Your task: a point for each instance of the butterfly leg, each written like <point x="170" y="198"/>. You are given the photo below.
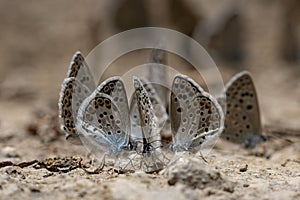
<point x="129" y="166"/>
<point x="201" y="155"/>
<point x="98" y="169"/>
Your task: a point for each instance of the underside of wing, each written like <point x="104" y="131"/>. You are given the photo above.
<point x="242" y="123"/>
<point x="76" y="87"/>
<point x="71" y="96"/>
<point x="195" y="115"/>
<point x="158" y="107"/>
<point x="148" y="120"/>
<point x="114" y="87"/>
<point x="80" y="70"/>
<point x="99" y="118"/>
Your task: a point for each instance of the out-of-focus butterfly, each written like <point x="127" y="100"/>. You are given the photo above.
<point x="242" y="117"/>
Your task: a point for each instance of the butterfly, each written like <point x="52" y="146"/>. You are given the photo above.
<point x="103" y="120"/>
<point x="156" y="92"/>
<point x="242" y="121"/>
<point x="157" y="74"/>
<point x="77" y="86"/>
<point x="196" y="117"/>
<point x="157" y="106"/>
<point x="153" y="159"/>
<point x="104" y="124"/>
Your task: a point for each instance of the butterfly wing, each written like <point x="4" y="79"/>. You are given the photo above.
<point x="156" y="93"/>
<point x="101" y="121"/>
<point x="196" y="117"/>
<point x="136" y="128"/>
<point x="242" y="122"/>
<point x="71" y="96"/>
<point x="75" y="88"/>
<point x="158" y="109"/>
<point x="81" y="71"/>
<point x="152" y="157"/>
<point x="158" y="106"/>
<point x="157" y="74"/>
<point x="148" y="120"/>
<point x="114" y="87"/>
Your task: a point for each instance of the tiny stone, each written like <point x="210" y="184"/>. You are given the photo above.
<point x="9" y="152"/>
<point x="244" y="169"/>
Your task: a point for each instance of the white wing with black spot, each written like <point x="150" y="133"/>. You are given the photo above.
<point x="148" y="120"/>
<point x="196" y="117"/>
<point x="152" y="157"/>
<point x="80" y="70"/>
<point x="101" y="120"/>
<point x="76" y="87"/>
<point x="158" y="109"/>
<point x="114" y="87"/>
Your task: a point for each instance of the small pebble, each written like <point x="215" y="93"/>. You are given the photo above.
<point x="9" y="152"/>
<point x="244" y="169"/>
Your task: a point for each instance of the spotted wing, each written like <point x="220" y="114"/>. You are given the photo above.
<point x="76" y="87"/>
<point x="71" y="96"/>
<point x="100" y="119"/>
<point x="81" y="71"/>
<point x="153" y="159"/>
<point x="196" y="117"/>
<point x="158" y="106"/>
<point x="158" y="109"/>
<point x="242" y="122"/>
<point x="148" y="120"/>
<point x="157" y="74"/>
<point x="114" y="87"/>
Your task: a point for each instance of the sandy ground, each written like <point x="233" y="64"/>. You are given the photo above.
<point x="37" y="43"/>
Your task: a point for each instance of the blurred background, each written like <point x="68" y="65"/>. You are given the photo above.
<point x="38" y="40"/>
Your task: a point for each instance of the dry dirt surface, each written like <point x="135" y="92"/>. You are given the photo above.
<point x="58" y="170"/>
<point x="36" y="162"/>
